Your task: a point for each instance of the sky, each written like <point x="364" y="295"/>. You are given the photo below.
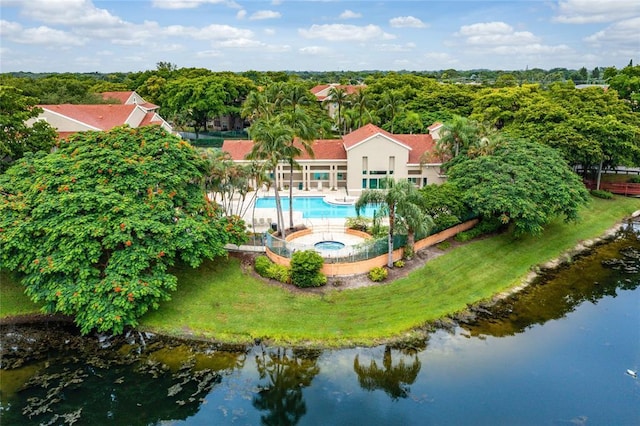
<point x="322" y="35"/>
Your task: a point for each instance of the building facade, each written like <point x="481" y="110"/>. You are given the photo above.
<point x="357" y="161"/>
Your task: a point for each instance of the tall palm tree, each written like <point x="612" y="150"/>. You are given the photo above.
<point x="411" y="215"/>
<point x="293" y="103"/>
<point x="391" y="105"/>
<point x="270" y="139"/>
<point x="360" y="101"/>
<point x="398" y="197"/>
<point x="338" y="96"/>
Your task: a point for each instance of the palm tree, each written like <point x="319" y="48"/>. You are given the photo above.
<point x="391" y="104"/>
<point x="457" y="136"/>
<point x="398" y="197"/>
<point x="271" y="137"/>
<point x="360" y="101"/>
<point x="292" y="103"/>
<point x="411" y="215"/>
<point x="338" y="96"/>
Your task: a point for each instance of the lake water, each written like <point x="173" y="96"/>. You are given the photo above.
<point x="556" y="354"/>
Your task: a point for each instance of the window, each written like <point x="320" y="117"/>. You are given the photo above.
<point x="364" y="184"/>
<point x="320" y="176"/>
<point x="392" y="164"/>
<point x="365" y="165"/>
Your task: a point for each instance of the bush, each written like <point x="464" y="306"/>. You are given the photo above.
<point x="445" y="221"/>
<point x="305" y="269"/>
<point x="280" y="273"/>
<point x="634" y="179"/>
<point x="599" y="193"/>
<point x="358" y="223"/>
<point x="486" y="226"/>
<point x="262" y="265"/>
<point x="267" y="269"/>
<point x="379" y="273"/>
<point x="398" y="264"/>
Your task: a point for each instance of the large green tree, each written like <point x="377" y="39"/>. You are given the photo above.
<point x="16" y="136"/>
<point x="94" y="227"/>
<point x="523" y="183"/>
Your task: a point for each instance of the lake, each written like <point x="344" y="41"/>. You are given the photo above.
<point x="554" y="354"/>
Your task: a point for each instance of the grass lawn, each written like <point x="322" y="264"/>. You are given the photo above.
<point x="220" y="301"/>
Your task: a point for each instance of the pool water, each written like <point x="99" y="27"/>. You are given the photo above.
<point x="329" y="245"/>
<point x="316" y="207"/>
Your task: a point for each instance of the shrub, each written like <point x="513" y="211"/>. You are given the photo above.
<point x="634" y="179"/>
<point x="305" y="269"/>
<point x="399" y="263"/>
<point x="444" y="221"/>
<point x="379" y="273"/>
<point x="599" y="193"/>
<point x="486" y="226"/>
<point x="358" y="223"/>
<point x="444" y="245"/>
<point x="267" y="269"/>
<point x="408" y="253"/>
<point x="262" y="265"/>
<point x="280" y="273"/>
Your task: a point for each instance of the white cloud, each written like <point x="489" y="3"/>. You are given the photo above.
<point x="590" y="11"/>
<point x="269" y="31"/>
<point x="623" y="34"/>
<point x="240" y="43"/>
<point x="349" y="14"/>
<point x="396" y="47"/>
<point x="208" y="54"/>
<point x="440" y="58"/>
<point x="314" y="50"/>
<point x="69" y="12"/>
<point x="407" y="22"/>
<point x="38" y="35"/>
<point x="184" y="4"/>
<point x="495" y="33"/>
<point x="211" y="32"/>
<point x="241" y="14"/>
<point x="339" y="32"/>
<point x="265" y="14"/>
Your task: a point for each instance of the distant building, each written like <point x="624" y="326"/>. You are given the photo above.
<point x="359" y="160"/>
<point x="131" y="109"/>
<point x="322" y="93"/>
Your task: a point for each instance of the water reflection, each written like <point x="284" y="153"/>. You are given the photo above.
<point x="575" y="366"/>
<point x="391" y="377"/>
<point x="73" y="379"/>
<point x="601" y="273"/>
<point x="286" y="372"/>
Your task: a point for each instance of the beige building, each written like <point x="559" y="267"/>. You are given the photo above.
<point x="357" y="161"/>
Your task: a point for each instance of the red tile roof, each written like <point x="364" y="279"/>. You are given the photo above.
<point x="348" y="88"/>
<point x="323" y="149"/>
<point x="363" y="133"/>
<point x="419" y="144"/>
<point x="102" y="117"/>
<point x="121" y="97"/>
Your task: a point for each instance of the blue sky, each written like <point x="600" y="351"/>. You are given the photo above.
<point x="326" y="35"/>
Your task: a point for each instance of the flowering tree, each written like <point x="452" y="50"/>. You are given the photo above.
<point x="94" y="227"/>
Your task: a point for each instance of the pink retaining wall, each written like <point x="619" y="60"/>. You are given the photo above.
<point x="362" y="267"/>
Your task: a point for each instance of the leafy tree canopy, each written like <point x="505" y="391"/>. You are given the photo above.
<point x="521" y="182"/>
<point x="94" y="227"/>
<point x="16" y="136"/>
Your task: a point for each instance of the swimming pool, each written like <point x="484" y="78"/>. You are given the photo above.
<point x="315" y="207"/>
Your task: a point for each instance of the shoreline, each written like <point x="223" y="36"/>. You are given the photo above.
<point x="416" y="333"/>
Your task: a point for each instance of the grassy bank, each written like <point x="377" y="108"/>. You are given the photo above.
<point x="222" y="302"/>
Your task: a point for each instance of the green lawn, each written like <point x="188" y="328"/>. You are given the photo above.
<point x="219" y="301"/>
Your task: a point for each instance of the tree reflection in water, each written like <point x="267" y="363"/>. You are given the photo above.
<point x="287" y="373"/>
<point x="55" y="376"/>
<point x="393" y="379"/>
